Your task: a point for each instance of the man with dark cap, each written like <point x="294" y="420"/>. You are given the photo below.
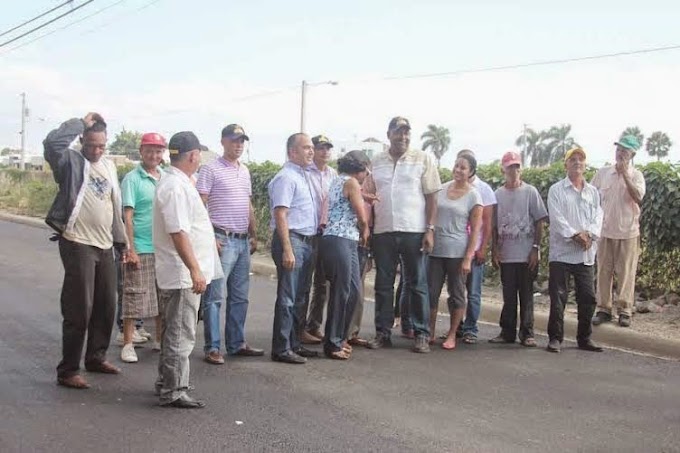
<point x="186" y="261"/>
<point x="321" y="175"/>
<point x="406" y="182"/>
<point x="225" y="188"/>
<point x="621" y="188"/>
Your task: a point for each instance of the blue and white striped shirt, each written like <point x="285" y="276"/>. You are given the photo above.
<point x="572" y="211"/>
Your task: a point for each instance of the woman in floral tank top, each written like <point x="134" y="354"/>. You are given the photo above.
<point x="347" y="228"/>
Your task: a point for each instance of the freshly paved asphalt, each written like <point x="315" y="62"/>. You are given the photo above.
<point x="478" y="398"/>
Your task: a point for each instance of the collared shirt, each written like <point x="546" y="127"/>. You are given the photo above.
<point x="488" y="199"/>
<point x="291" y="188"/>
<point x="229" y="189"/>
<point x="139" y="189"/>
<point x="621" y="212"/>
<point x="572" y="211"/>
<point x="178" y="207"/>
<point x="401" y="187"/>
<point x="321" y="182"/>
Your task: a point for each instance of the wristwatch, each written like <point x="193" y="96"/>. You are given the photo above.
<point x="536" y="246"/>
<point x="430" y="227"/>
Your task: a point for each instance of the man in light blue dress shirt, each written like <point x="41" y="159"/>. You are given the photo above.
<point x="575" y="225"/>
<point x="295" y="220"/>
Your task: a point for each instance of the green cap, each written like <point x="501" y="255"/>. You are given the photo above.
<point x="629" y="142"/>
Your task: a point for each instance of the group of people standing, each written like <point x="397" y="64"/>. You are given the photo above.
<point x="185" y="235"/>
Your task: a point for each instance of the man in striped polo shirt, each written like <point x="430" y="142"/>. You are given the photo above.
<point x="225" y="187"/>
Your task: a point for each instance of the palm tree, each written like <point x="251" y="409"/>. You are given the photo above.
<point x="437" y="139"/>
<point x="558" y="143"/>
<point x="531" y="143"/>
<point x="658" y="144"/>
<point x="634" y="131"/>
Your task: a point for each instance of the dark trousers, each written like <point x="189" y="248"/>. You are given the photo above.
<point x="388" y="249"/>
<point x="88" y="304"/>
<point x="585" y="299"/>
<point x="517" y="280"/>
<point x="341" y="262"/>
<point x="319" y="290"/>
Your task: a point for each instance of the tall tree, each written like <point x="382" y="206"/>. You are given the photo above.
<point x="559" y="141"/>
<point x="437" y="139"/>
<point x="126" y="143"/>
<point x="531" y="143"/>
<point x="634" y="131"/>
<point x="658" y="144"/>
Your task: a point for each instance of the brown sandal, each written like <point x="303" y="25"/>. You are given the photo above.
<point x="338" y="355"/>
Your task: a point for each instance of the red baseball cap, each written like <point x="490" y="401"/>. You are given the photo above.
<point x="152" y="138"/>
<point x="511" y="158"/>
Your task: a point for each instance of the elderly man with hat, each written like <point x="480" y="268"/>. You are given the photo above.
<point x="225" y="187"/>
<point x="575" y="225"/>
<point x="621" y="188"/>
<point x="518" y="229"/>
<point x="186" y="261"/>
<point x="139" y="298"/>
<point x="321" y="175"/>
<point x="406" y="182"/>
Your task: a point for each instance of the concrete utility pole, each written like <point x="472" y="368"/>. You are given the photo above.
<point x="303" y="99"/>
<point x="23" y="131"/>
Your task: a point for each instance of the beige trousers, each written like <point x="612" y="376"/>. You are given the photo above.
<point x="617" y="257"/>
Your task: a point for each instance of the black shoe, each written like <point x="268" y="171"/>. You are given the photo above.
<point x="422" y="344"/>
<point x="590" y="346"/>
<point x="554" y="346"/>
<point x="289" y="357"/>
<point x="380" y="341"/>
<point x="500" y="339"/>
<point x="624" y="320"/>
<point x="247" y="351"/>
<point x="186" y="402"/>
<point x="601" y="317"/>
<point x="308" y="353"/>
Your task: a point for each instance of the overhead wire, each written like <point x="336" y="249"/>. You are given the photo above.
<point x="35" y="18"/>
<point x="45" y="24"/>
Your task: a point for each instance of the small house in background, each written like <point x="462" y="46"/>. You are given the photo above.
<point x="371" y="146"/>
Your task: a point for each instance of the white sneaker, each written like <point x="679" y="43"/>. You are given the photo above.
<point x="128" y="354"/>
<point x="137" y="338"/>
<point x="142" y="332"/>
<point x="156" y="346"/>
<point x="119" y="339"/>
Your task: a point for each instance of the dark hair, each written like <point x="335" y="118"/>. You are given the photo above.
<point x="465" y="151"/>
<point x="97" y="126"/>
<point x="353" y="162"/>
<point x="471" y="161"/>
<point x="290" y="143"/>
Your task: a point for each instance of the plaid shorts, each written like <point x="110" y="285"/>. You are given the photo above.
<point x="140" y="296"/>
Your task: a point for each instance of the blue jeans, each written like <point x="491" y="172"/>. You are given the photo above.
<point x="474" y="299"/>
<point x="290" y="292"/>
<point x="341" y="262"/>
<point x="235" y="259"/>
<point x="388" y="249"/>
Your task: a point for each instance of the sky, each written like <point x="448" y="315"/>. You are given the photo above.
<point x="171" y="65"/>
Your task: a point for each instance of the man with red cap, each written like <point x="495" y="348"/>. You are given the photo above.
<point x="139" y="300"/>
<point x="520" y="214"/>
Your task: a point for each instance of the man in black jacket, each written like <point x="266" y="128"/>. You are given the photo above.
<point x="86" y="214"/>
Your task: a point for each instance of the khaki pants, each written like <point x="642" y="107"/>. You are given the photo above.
<point x="617" y="257"/>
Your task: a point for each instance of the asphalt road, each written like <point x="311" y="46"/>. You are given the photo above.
<point x="482" y="398"/>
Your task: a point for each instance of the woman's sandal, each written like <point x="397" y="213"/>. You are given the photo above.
<point x="338" y="355"/>
<point x="469" y="339"/>
<point x="529" y="342"/>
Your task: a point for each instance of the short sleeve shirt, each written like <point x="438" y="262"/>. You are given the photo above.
<point x="488" y="199"/>
<point x="517" y="212"/>
<point x="621" y="213"/>
<point x="401" y="186"/>
<point x="138" y="191"/>
<point x="291" y="188"/>
<point x="450" y="230"/>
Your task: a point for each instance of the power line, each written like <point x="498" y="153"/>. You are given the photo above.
<point x="36" y="18"/>
<point x="70" y="24"/>
<point x="535" y="63"/>
<point x="45" y="24"/>
<point x="121" y="16"/>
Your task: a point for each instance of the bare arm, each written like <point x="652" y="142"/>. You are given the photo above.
<point x="475" y="220"/>
<point x="128" y="214"/>
<point x="632" y="190"/>
<point x="186" y="253"/>
<point x="252" y="229"/>
<point x="486" y="230"/>
<point x="281" y="222"/>
<point x="430" y="218"/>
<point x="352" y="190"/>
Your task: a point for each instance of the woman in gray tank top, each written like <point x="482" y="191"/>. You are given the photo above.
<point x="459" y="217"/>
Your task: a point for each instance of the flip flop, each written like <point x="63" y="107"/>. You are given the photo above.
<point x="338" y="355"/>
<point x="469" y="339"/>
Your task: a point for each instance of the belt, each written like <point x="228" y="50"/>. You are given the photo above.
<point x="302" y="237"/>
<point x="229" y="234"/>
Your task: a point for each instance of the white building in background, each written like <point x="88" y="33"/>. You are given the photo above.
<point x="371" y="146"/>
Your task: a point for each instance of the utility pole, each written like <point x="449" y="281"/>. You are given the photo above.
<point x="524" y="143"/>
<point x="302" y="106"/>
<point x="23" y="131"/>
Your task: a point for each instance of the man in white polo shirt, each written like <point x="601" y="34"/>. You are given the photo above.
<point x="186" y="260"/>
<point x="405" y="182"/>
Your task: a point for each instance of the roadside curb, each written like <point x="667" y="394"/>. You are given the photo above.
<point x="609" y="335"/>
